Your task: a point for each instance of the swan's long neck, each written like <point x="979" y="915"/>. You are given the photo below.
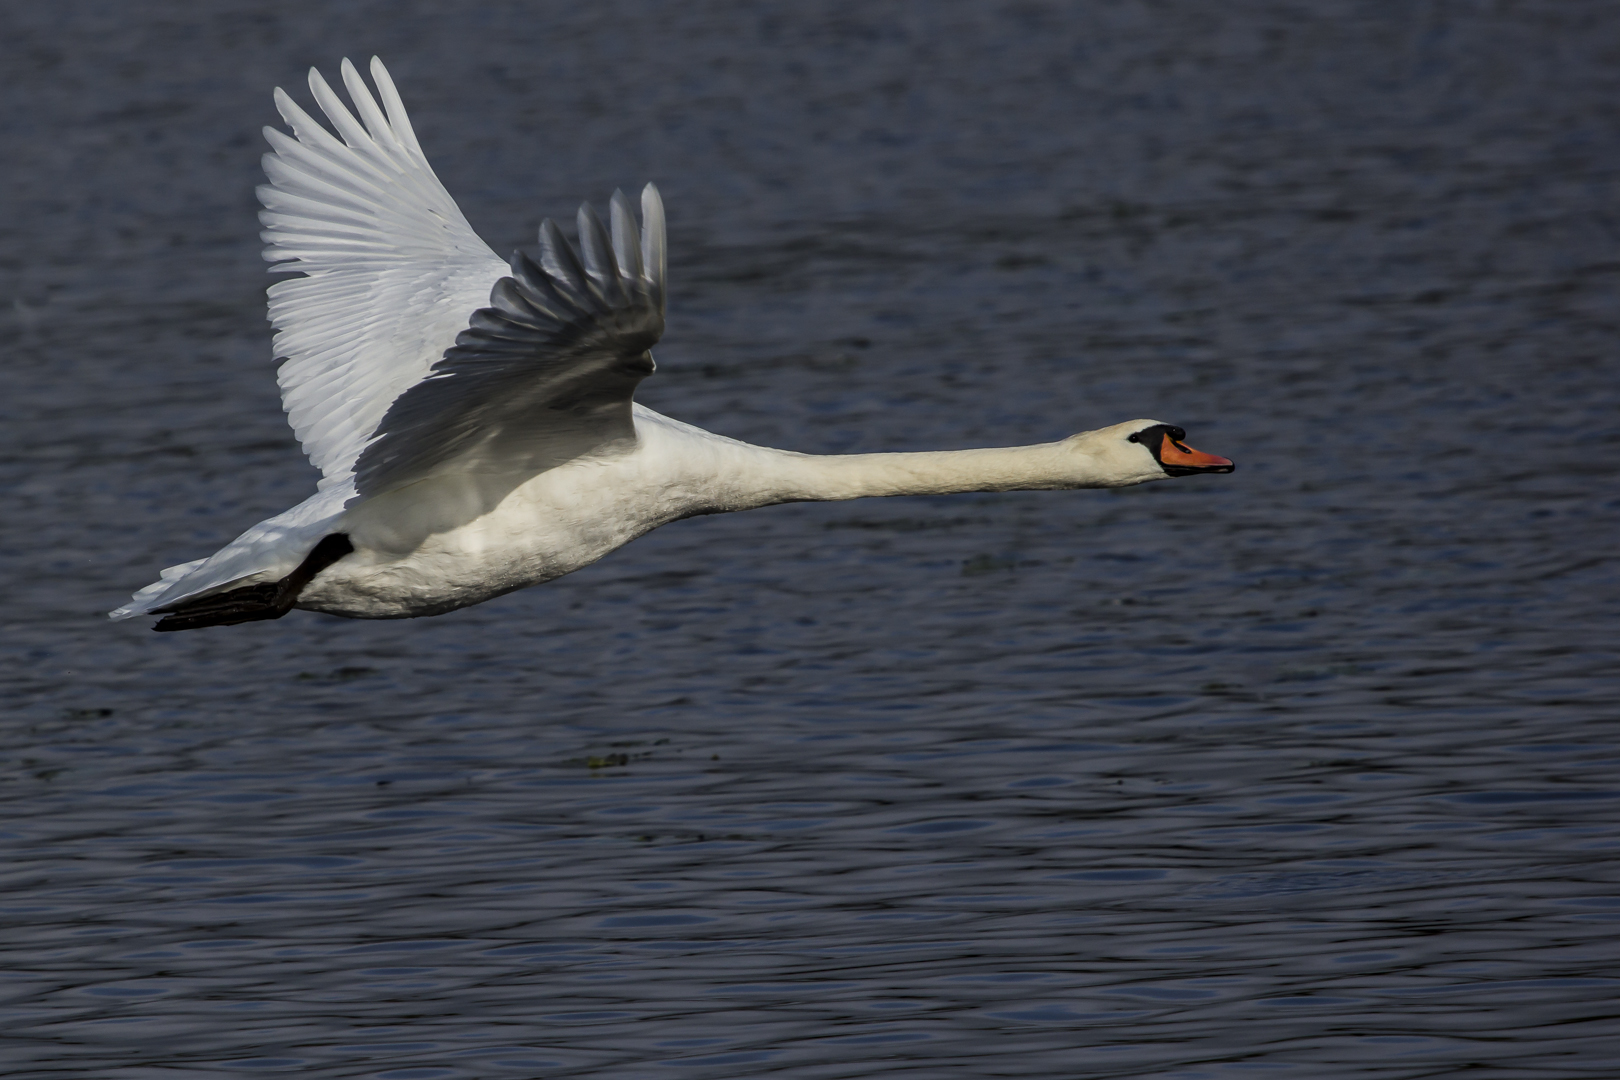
<point x="753" y="476"/>
<point x="691" y="471"/>
<point x="943" y="472"/>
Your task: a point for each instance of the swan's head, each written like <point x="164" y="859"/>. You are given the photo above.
<point x="1138" y="451"/>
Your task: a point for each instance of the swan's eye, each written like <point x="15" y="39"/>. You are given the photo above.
<point x="1137" y="437"/>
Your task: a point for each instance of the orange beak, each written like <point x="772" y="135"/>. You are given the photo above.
<point x="1179" y="459"/>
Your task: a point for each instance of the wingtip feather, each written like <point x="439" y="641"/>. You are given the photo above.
<point x="376" y="124"/>
<point x="397" y="119"/>
<point x="626" y="238"/>
<point x="347" y="126"/>
<point x="654" y="245"/>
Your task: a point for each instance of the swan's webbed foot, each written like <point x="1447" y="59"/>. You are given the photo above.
<point x="250" y="603"/>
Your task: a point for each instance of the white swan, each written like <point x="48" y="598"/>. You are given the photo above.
<point x="473" y="421"/>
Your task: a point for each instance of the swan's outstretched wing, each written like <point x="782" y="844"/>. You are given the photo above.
<point x="407" y="348"/>
<point x="543" y="374"/>
<point x="391" y="269"/>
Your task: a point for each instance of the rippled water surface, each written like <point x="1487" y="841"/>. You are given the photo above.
<point x="1309" y="769"/>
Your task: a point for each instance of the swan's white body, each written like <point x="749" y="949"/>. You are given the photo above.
<point x="463" y="462"/>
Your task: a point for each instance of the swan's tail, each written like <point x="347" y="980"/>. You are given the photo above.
<point x="264" y="555"/>
<point x="250" y="603"/>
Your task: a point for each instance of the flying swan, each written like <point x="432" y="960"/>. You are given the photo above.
<point x="473" y="420"/>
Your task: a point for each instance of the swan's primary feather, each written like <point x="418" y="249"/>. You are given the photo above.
<point x="391" y="269"/>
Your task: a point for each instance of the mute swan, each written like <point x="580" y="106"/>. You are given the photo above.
<point x="473" y="421"/>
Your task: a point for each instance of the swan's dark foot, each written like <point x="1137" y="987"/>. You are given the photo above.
<point x="266" y="600"/>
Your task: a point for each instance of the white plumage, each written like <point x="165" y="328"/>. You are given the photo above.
<point x="473" y="421"/>
<point x="391" y="268"/>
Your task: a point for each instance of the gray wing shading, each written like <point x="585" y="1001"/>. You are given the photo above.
<point x="543" y="375"/>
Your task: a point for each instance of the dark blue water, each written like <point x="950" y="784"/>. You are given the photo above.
<point x="1312" y="769"/>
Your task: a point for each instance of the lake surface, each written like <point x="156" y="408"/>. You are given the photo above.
<point x="1312" y="769"/>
